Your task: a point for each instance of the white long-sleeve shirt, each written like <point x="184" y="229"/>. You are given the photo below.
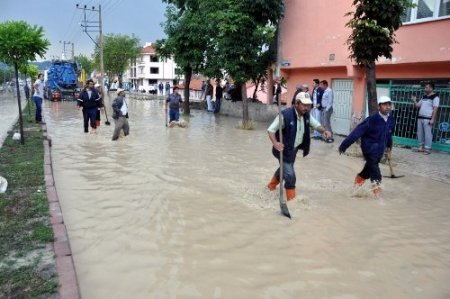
<point x="327" y="99"/>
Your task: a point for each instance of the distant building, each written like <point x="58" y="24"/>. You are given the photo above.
<point x="147" y="71"/>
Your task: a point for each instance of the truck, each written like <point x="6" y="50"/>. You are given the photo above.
<point x="62" y="80"/>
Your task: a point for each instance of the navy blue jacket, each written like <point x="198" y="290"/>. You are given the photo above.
<point x="289" y="132"/>
<point x="319" y="97"/>
<point x="89" y="102"/>
<point x="375" y="134"/>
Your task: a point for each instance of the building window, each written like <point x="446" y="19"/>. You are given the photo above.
<point x="154" y="70"/>
<point x="153" y="58"/>
<point x="426" y="10"/>
<point x="444" y="8"/>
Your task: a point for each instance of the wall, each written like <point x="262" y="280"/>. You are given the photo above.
<point x="312" y="30"/>
<point x="257" y="111"/>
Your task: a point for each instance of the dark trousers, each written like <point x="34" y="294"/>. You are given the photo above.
<point x="217" y="105"/>
<point x="38" y="102"/>
<point x="89" y="115"/>
<point x="371" y="169"/>
<point x="174" y="114"/>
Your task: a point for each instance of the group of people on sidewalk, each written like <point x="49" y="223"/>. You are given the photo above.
<point x="375" y="133"/>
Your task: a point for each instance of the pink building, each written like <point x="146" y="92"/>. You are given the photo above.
<point x="313" y="45"/>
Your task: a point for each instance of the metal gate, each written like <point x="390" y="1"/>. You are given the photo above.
<point x="406" y="116"/>
<point x="342" y="106"/>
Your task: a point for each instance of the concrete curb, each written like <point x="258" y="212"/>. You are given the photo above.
<point x="68" y="283"/>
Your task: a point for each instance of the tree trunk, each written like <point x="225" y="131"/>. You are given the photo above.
<point x="371" y="83"/>
<point x="245" y="117"/>
<point x="256" y="88"/>
<point x="22" y="139"/>
<point x="119" y="79"/>
<point x="187" y="82"/>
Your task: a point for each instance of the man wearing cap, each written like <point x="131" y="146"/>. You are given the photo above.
<point x="376" y="139"/>
<point x="90" y="101"/>
<point x="295" y="135"/>
<point x="120" y="114"/>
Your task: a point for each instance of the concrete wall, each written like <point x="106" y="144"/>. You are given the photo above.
<point x="257" y="111"/>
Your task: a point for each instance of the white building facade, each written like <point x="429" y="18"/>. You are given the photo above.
<point x="149" y="70"/>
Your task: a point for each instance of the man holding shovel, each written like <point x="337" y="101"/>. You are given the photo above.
<point x="376" y="139"/>
<point x="295" y="135"/>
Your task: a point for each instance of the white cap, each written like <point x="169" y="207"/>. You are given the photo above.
<point x="384" y="99"/>
<point x="119" y="90"/>
<point x="304" y="98"/>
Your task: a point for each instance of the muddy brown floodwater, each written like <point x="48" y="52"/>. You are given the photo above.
<point x="184" y="213"/>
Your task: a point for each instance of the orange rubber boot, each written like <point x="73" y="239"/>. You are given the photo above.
<point x="359" y="180"/>
<point x="290" y="194"/>
<point x="273" y="183"/>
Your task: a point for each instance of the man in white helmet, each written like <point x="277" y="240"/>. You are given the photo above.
<point x="376" y="139"/>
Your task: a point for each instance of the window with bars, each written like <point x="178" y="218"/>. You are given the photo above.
<point x="425" y="10"/>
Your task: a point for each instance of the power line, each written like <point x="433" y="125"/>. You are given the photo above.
<point x="94" y="26"/>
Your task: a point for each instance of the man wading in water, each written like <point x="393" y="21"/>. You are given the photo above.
<point x="296" y="135"/>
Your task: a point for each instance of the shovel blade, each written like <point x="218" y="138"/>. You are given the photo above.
<point x="393" y="176"/>
<point x="285" y="210"/>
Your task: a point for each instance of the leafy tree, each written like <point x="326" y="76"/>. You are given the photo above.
<point x="186" y="42"/>
<point x="373" y="33"/>
<point x="118" y="51"/>
<point x="204" y="37"/>
<point x="20" y="43"/>
<point x="86" y="63"/>
<point x="32" y="71"/>
<point x="255" y="23"/>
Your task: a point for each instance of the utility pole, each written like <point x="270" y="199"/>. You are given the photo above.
<point x="64" y="56"/>
<point x="102" y="67"/>
<point x="97" y="25"/>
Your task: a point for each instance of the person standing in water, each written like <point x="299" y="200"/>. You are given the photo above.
<point x="376" y="139"/>
<point x="120" y="115"/>
<point x="296" y="123"/>
<point x="174" y="100"/>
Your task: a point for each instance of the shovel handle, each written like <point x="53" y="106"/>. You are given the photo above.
<point x="390" y="165"/>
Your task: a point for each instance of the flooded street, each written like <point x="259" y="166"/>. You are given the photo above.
<point x="185" y="213"/>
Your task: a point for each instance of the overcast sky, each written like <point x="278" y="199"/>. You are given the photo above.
<point x="61" y="21"/>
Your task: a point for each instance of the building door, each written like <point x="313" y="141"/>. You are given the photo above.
<point x="342" y="106"/>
